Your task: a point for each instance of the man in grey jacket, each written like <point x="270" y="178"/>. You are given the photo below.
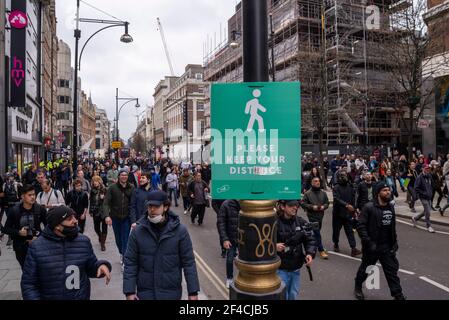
<point x="315" y="202"/>
<point x="423" y="189"/>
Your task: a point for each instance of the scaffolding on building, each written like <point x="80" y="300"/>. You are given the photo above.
<point x="327" y="46"/>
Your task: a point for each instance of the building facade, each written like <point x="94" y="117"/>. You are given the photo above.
<point x="88" y="124"/>
<point x="326" y="46"/>
<point x="65" y="96"/>
<point x="3" y="104"/>
<point x="102" y="133"/>
<point x="23" y="52"/>
<point x="49" y="74"/>
<point x="184" y="138"/>
<point x="160" y="94"/>
<point x="436" y="131"/>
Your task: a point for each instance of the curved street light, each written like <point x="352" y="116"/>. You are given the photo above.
<point x="126" y="38"/>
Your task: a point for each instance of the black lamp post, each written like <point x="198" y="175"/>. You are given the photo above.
<point x="125" y="38"/>
<point x="257" y="279"/>
<point x="117" y="114"/>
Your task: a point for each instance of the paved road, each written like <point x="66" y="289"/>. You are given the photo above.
<point x="421" y="254"/>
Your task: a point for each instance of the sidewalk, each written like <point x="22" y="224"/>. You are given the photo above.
<point x="10" y="273"/>
<point x="403" y="210"/>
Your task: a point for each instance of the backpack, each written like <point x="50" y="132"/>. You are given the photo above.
<point x="11" y="193"/>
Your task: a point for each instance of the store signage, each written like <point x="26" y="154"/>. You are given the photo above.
<point x="18" y="21"/>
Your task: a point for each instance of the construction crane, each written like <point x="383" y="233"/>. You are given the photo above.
<point x="164" y="42"/>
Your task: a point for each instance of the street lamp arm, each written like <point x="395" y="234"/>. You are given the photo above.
<point x="125" y="105"/>
<point x="112" y="22"/>
<point x="102" y="29"/>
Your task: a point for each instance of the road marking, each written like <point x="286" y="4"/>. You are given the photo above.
<point x="419" y="227"/>
<point x="407" y="272"/>
<point x="436" y="284"/>
<point x="344" y="256"/>
<point x="358" y="259"/>
<point x="212" y="276"/>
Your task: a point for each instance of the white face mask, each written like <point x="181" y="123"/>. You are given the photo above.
<point x="156" y="219"/>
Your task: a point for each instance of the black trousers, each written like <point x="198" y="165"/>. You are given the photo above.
<point x="100" y="226"/>
<point x="21" y="254"/>
<point x="81" y="224"/>
<point x="390" y="265"/>
<point x="339" y="222"/>
<point x="198" y="210"/>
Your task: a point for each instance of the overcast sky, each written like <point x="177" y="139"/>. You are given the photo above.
<point x="136" y="68"/>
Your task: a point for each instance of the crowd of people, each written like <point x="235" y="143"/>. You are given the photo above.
<point x="47" y="208"/>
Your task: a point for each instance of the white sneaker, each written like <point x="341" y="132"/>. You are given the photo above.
<point x="123" y="267"/>
<point x="414" y="222"/>
<point x="430" y="229"/>
<point x="185" y="212"/>
<point x="121" y="259"/>
<point x="229" y="282"/>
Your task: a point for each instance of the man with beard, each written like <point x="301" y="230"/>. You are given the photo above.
<point x="377" y="230"/>
<point x="56" y="256"/>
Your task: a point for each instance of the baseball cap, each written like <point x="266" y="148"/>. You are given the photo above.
<point x="57" y="215"/>
<point x="156" y="198"/>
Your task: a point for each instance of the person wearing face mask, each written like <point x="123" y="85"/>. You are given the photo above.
<point x="139" y="196"/>
<point x="377" y="231"/>
<point x="56" y="256"/>
<point x="343" y="212"/>
<point x="424" y="189"/>
<point x="78" y="200"/>
<point x="315" y="202"/>
<point x="159" y="249"/>
<point x="294" y="245"/>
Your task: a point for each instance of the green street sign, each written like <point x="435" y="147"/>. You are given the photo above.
<point x="256" y="141"/>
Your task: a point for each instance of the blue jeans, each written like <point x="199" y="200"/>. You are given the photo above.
<point x="317" y="234"/>
<point x="230" y="255"/>
<point x="291" y="280"/>
<point x="121" y="228"/>
<point x="174" y="192"/>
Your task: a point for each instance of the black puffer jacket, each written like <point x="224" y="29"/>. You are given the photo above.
<point x="294" y="258"/>
<point x="228" y="221"/>
<point x="46" y="267"/>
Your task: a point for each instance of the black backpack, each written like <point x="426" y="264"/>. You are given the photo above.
<point x="11" y="193"/>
